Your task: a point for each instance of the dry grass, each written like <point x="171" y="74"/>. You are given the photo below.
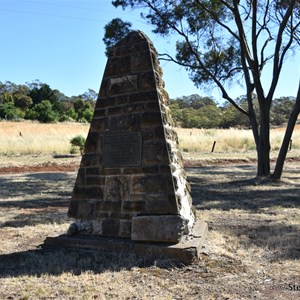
<point x="228" y="140"/>
<point x="42" y="139"/>
<point x="21" y="138"/>
<point x="253" y="247"/>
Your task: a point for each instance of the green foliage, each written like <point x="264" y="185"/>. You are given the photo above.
<point x="7" y="98"/>
<point x="196" y="23"/>
<point x="22" y="101"/>
<point x="28" y="101"/>
<point x="77" y="142"/>
<point x="281" y="110"/>
<point x="9" y="112"/>
<point x="72" y="115"/>
<point x="83" y="110"/>
<point x="88" y="115"/>
<point x="42" y="91"/>
<point x="191" y="111"/>
<point x="195" y="111"/>
<point x="43" y="112"/>
<point x="115" y="30"/>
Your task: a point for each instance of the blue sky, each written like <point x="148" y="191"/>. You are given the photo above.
<point x="60" y="43"/>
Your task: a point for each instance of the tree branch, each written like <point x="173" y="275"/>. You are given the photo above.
<point x="215" y="17"/>
<point x="278" y="58"/>
<point x="218" y="83"/>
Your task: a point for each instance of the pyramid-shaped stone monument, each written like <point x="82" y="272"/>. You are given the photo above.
<point x="131" y="183"/>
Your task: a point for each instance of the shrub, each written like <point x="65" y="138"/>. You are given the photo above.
<point x="77" y="141"/>
<point x="43" y="112"/>
<point x="9" y="112"/>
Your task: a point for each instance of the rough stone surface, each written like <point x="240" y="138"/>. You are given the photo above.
<point x="164" y="228"/>
<point x="131" y="165"/>
<point x="186" y="251"/>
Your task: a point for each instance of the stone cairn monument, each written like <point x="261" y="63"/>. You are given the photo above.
<point x="131" y="183"/>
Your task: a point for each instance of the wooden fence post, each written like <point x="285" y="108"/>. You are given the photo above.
<point x="213" y="147"/>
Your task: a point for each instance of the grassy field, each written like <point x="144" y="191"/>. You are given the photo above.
<point x="30" y="138"/>
<point x="229" y="142"/>
<point x="23" y="138"/>
<point x="253" y="245"/>
<point x="252" y="250"/>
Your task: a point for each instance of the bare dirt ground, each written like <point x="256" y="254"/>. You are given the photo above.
<point x="252" y="250"/>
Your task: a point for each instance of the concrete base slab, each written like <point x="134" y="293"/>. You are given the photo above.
<point x="186" y="251"/>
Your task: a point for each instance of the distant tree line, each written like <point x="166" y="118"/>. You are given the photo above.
<point x="195" y="111"/>
<point x="37" y="101"/>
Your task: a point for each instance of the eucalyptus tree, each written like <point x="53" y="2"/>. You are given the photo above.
<point x="223" y="42"/>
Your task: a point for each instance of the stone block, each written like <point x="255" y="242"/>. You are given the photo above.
<point x="134" y="108"/>
<point x="151" y="119"/>
<point x="99" y="125"/>
<point x="120" y="215"/>
<point x="86" y="210"/>
<point x="117" y="110"/>
<point x="122" y="84"/>
<point x="148" y="134"/>
<point x="95" y="181"/>
<point x="104" y="102"/>
<point x="108" y="205"/>
<point x="73" y="209"/>
<point x="143" y="97"/>
<point x="157" y="203"/>
<point x="110" y="227"/>
<point x="165" y="169"/>
<point x="128" y="123"/>
<point x="154" y="153"/>
<point x="159" y="133"/>
<point x="99" y="113"/>
<point x="147" y="81"/>
<point x="116" y="188"/>
<point x="134" y="206"/>
<point x="121" y="100"/>
<point x="150" y="170"/>
<point x="164" y="228"/>
<point x="141" y="170"/>
<point x="80" y="179"/>
<point x="92" y="143"/>
<point x="87" y="192"/>
<point x="118" y="66"/>
<point x="141" y="62"/>
<point x="110" y="171"/>
<point x="103" y="91"/>
<point x="153" y="106"/>
<point x="92" y="171"/>
<point x="90" y="160"/>
<point x="150" y="183"/>
<point x="100" y="215"/>
<point x="164" y="205"/>
<point x="125" y="228"/>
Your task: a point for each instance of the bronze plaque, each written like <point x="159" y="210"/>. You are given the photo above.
<point x="122" y="150"/>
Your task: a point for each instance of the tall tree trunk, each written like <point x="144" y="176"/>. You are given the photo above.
<point x="263" y="147"/>
<point x="287" y="137"/>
